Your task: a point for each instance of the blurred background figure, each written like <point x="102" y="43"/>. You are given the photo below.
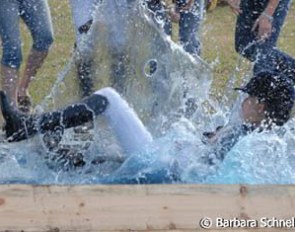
<point x="159" y="10"/>
<point x="36" y="15"/>
<point x="258" y="28"/>
<point x="189" y="14"/>
<point x="83" y="13"/>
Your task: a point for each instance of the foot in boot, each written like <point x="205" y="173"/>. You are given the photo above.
<point x="18" y="126"/>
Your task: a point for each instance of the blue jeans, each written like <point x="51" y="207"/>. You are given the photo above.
<point x="36" y="15"/>
<point x="188" y="27"/>
<point x="159" y="10"/>
<point x="264" y="54"/>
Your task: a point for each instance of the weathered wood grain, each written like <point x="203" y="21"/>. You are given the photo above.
<point x="138" y="207"/>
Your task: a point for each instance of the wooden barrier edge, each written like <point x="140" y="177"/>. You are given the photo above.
<point x="87" y="208"/>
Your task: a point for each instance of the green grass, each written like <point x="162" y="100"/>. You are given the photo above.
<point x="217" y="38"/>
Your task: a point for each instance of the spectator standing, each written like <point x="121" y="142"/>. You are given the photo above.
<point x="258" y="28"/>
<point x="190" y="14"/>
<point x="36" y="15"/>
<point x="82" y="13"/>
<point x="160" y="15"/>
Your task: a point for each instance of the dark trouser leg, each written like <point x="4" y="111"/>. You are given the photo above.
<point x="85" y="67"/>
<point x="160" y="16"/>
<point x="20" y="126"/>
<point x="188" y="27"/>
<point x="276" y="61"/>
<point x="264" y="54"/>
<point x="84" y="70"/>
<point x="245" y="39"/>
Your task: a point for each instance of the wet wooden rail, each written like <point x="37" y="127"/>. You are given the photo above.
<point x="141" y="207"/>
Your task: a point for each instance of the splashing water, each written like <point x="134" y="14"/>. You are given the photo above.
<point x="169" y="89"/>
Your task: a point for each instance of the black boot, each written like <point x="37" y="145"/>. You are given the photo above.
<point x="18" y="126"/>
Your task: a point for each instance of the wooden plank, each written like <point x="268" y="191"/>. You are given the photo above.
<point x="138" y="207"/>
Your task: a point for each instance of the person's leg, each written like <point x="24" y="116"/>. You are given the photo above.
<point x="34" y="62"/>
<point x="269" y="56"/>
<point x="82" y="13"/>
<point x="20" y="126"/>
<point x="10" y="77"/>
<point x="129" y="130"/>
<point x="36" y="15"/>
<point x="84" y="71"/>
<point x="118" y="23"/>
<point x="276" y="61"/>
<point x="263" y="53"/>
<point x="11" y="43"/>
<point x="246" y="42"/>
<point x="245" y="39"/>
<point x="188" y="27"/>
<point x="160" y="16"/>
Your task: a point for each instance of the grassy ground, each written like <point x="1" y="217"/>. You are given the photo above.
<point x="217" y="39"/>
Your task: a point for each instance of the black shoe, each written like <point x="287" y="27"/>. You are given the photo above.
<point x="18" y="126"/>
